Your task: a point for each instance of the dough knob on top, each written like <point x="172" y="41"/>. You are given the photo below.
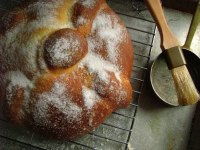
<point x="64" y="48"/>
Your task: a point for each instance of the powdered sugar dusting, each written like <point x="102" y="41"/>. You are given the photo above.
<point x="98" y="65"/>
<point x="19" y="43"/>
<point x="88" y="3"/>
<point x="109" y="30"/>
<point x="90" y="97"/>
<point x="61" y="50"/>
<point x="57" y="97"/>
<point x="81" y="20"/>
<point x="17" y="78"/>
<point x="8" y="45"/>
<point x="45" y="14"/>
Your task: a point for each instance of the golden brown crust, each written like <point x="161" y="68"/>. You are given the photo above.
<point x="71" y="70"/>
<point x="88" y="13"/>
<point x="16" y="105"/>
<point x="59" y="125"/>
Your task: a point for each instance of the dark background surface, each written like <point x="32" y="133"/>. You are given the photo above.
<point x="183" y="5"/>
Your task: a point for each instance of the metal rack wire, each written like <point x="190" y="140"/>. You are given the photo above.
<point x="115" y="132"/>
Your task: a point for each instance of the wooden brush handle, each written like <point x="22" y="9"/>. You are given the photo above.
<point x="168" y="40"/>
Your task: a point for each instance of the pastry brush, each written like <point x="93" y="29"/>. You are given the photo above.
<point x="186" y="91"/>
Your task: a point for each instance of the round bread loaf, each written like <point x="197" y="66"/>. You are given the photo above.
<point x="65" y="65"/>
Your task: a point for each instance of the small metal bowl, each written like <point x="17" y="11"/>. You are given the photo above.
<point x="161" y="78"/>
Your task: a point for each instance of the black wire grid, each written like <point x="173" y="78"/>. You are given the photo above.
<point x="115" y="133"/>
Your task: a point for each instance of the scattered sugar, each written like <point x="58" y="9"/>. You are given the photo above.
<point x="98" y="65"/>
<point x="45" y="14"/>
<point x="88" y="3"/>
<point x="58" y="98"/>
<point x="93" y="44"/>
<point x="62" y="50"/>
<point x="17" y="78"/>
<point x="43" y="7"/>
<point x="8" y="45"/>
<point x="27" y="51"/>
<point x="109" y="30"/>
<point x="18" y="44"/>
<point x="106" y="28"/>
<point x="121" y="94"/>
<point x="81" y="21"/>
<point x="90" y="97"/>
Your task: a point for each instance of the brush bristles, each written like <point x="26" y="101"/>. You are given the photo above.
<point x="186" y="91"/>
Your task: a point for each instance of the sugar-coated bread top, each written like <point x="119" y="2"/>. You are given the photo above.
<point x="65" y="65"/>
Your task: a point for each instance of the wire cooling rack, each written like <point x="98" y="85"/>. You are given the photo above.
<point x="116" y="131"/>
